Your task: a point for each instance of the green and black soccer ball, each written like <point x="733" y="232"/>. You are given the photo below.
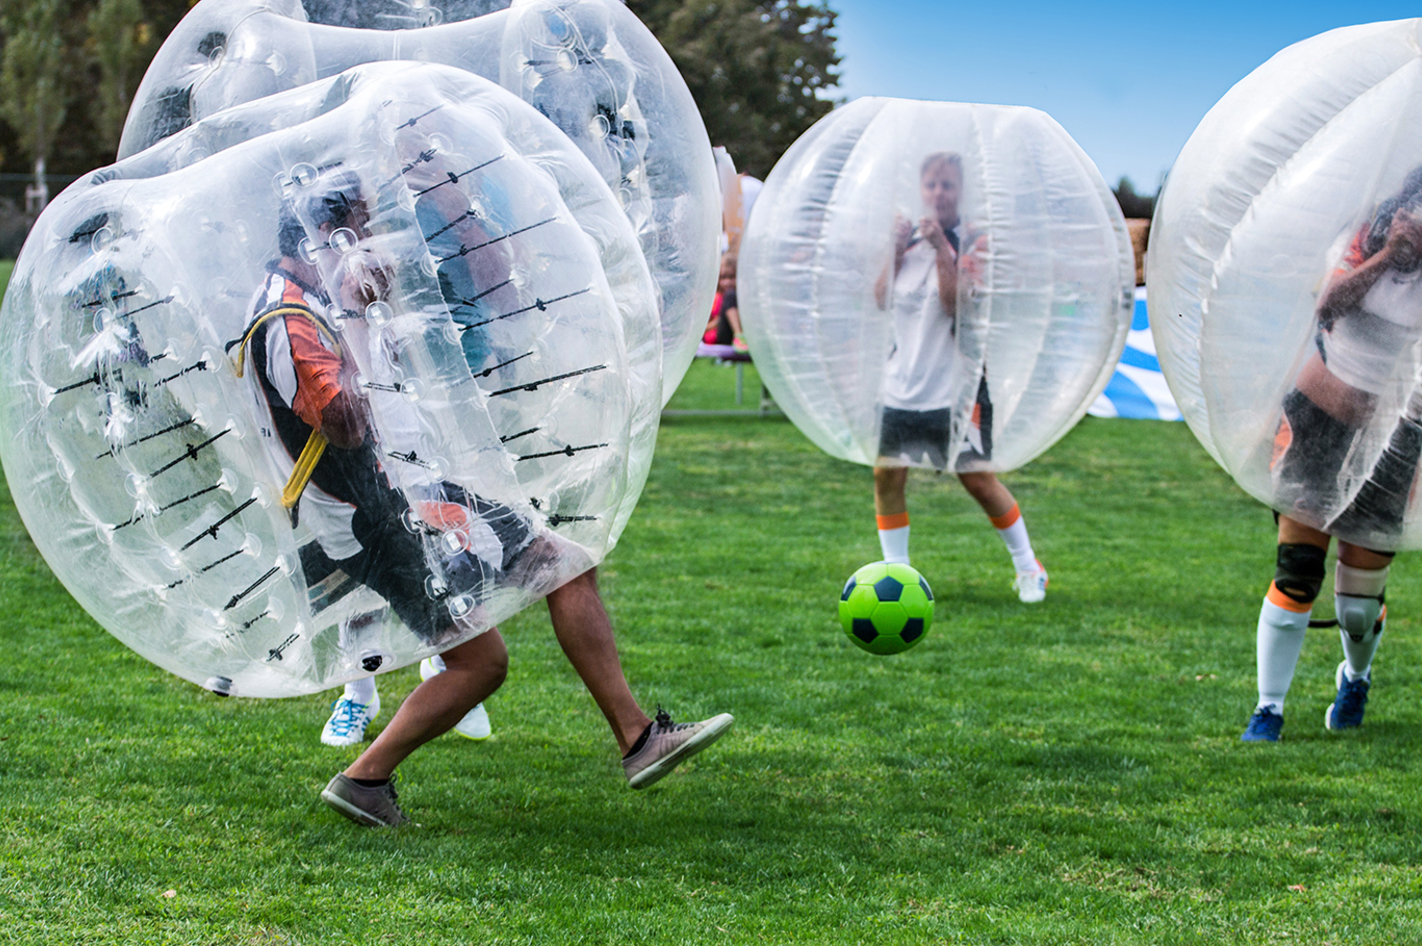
<point x="886" y="607"/>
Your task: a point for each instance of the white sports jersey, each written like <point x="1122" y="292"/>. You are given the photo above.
<point x="1364" y="348"/>
<point x="919" y="374"/>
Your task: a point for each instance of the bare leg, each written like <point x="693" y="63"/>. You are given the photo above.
<point x="989" y="492"/>
<point x="890" y="488"/>
<point x="1359" y="557"/>
<point x="585" y="634"/>
<point x="473" y="671"/>
<point x="1293" y="532"/>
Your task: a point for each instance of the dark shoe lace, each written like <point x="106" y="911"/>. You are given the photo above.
<point x="665" y="724"/>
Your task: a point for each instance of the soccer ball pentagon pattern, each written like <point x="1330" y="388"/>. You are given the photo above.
<point x="886" y="607"/>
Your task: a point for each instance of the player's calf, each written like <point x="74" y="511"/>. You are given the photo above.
<point x="1283" y="620"/>
<point x="1362" y="614"/>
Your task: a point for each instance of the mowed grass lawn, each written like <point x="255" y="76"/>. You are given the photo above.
<point x="1064" y="773"/>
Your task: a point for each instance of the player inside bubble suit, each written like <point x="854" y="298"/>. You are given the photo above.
<point x="1370" y="321"/>
<point x="917" y="425"/>
<point x="298" y="366"/>
<point x="472" y="285"/>
<point x="321" y="434"/>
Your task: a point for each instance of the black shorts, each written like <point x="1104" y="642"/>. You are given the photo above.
<point x="926" y="437"/>
<point x="392" y="561"/>
<point x="1309" y="451"/>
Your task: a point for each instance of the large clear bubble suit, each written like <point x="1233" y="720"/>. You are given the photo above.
<point x="1286" y="301"/>
<point x="589" y="65"/>
<point x="497" y="328"/>
<point x="1044" y="280"/>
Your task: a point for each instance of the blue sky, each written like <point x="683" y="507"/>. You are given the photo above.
<point x="1128" y="81"/>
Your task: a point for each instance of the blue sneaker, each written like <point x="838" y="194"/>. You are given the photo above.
<point x="1264" y="726"/>
<point x="348" y="721"/>
<point x="1347" y="709"/>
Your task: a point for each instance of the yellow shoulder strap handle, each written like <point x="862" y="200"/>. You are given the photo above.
<point x="305" y="466"/>
<point x="316" y="443"/>
<point x="284" y="310"/>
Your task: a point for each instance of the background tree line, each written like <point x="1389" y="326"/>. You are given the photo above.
<point x="69" y="68"/>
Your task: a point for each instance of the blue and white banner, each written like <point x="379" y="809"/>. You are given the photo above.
<point x="1137" y="389"/>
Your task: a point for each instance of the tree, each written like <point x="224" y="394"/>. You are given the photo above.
<point x="120" y="41"/>
<point x="105" y="47"/>
<point x="758" y="71"/>
<point x="1132" y="204"/>
<point x="32" y="94"/>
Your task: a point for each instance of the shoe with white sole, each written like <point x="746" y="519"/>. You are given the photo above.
<point x="1031" y="585"/>
<point x="348" y="721"/>
<point x="475" y="724"/>
<point x="373" y="806"/>
<point x="667" y="744"/>
<point x="1352" y="699"/>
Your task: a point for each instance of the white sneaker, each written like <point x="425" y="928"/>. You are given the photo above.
<point x="475" y="724"/>
<point x="348" y="721"/>
<point x="1031" y="585"/>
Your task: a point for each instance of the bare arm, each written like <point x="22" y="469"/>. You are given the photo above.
<point x="902" y="231"/>
<point x="343" y="421"/>
<point x="946" y="262"/>
<point x="1403" y="248"/>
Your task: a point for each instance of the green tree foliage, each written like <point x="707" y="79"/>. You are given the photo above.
<point x="1133" y="204"/>
<point x="32" y="93"/>
<point x="102" y="48"/>
<point x="759" y="71"/>
<point x="121" y="43"/>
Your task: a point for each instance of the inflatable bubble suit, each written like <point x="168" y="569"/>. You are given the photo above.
<point x="1044" y="278"/>
<point x="383" y="341"/>
<point x="588" y="65"/>
<point x="1284" y="265"/>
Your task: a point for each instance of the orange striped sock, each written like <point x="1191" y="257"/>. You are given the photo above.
<point x="1013" y="531"/>
<point x="894" y="537"/>
<point x="896" y="521"/>
<point x="1006" y="520"/>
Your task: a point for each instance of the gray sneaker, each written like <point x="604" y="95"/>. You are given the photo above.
<point x="372" y="807"/>
<point x="668" y="744"/>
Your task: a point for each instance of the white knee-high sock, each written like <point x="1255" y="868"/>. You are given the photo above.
<point x="1013" y="531"/>
<point x="361" y="691"/>
<point x="894" y="537"/>
<point x="1357" y="601"/>
<point x="1278" y="645"/>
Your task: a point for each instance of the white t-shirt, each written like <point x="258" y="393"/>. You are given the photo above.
<point x="1364" y="347"/>
<point x="919" y="374"/>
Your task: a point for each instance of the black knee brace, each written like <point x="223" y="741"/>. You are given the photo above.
<point x="1299" y="574"/>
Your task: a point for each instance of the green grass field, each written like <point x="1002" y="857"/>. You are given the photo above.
<point x="1063" y="773"/>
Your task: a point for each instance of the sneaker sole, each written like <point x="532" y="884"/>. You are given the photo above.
<point x="341" y="743"/>
<point x="358" y="815"/>
<point x="716" y="727"/>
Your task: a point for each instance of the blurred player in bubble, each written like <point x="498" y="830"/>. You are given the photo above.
<point x="308" y="384"/>
<point x="918" y="425"/>
<point x="1370" y="321"/>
